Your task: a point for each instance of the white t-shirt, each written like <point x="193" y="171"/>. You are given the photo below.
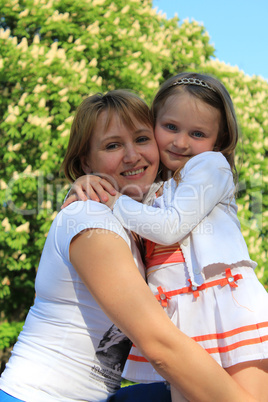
<point x="68" y="350"/>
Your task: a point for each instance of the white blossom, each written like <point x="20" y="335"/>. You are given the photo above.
<point x="42" y="103"/>
<point x="65" y="133"/>
<point x="93" y="62"/>
<point x="63" y="91"/>
<point x="25" y="227"/>
<point x="125" y="9"/>
<point x="23" y="45"/>
<point x="6" y="225"/>
<point x="44" y="156"/>
<point x="24" y="13"/>
<point x="4" y="34"/>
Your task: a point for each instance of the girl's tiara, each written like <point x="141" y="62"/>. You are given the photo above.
<point x="192" y="81"/>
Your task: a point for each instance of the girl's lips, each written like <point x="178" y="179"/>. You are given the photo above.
<point x="176" y="155"/>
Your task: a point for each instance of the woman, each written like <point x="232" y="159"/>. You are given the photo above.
<point x="88" y="283"/>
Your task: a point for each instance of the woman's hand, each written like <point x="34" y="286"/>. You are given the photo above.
<point x="90" y="187"/>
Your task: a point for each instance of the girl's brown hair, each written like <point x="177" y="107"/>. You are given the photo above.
<point x="213" y="92"/>
<point x="125" y="104"/>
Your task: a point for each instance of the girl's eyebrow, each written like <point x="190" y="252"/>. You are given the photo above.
<point x="166" y="116"/>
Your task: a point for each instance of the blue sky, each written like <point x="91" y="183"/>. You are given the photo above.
<point x="238" y="29"/>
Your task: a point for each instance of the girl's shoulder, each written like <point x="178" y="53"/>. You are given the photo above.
<point x="208" y="167"/>
<point x="207" y="160"/>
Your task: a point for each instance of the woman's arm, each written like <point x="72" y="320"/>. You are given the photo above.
<point x="105" y="263"/>
<point x="207" y="179"/>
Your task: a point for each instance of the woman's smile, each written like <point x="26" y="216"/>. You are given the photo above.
<point x="126" y="156"/>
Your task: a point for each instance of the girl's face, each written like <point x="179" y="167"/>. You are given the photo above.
<point x="186" y="126"/>
<point x="128" y="158"/>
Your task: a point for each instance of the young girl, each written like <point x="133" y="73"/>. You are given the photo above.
<point x="198" y="265"/>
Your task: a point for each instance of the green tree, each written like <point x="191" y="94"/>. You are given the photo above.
<point x="53" y="54"/>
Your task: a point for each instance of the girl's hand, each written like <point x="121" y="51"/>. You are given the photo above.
<point x="89" y="187"/>
<point x="111" y="199"/>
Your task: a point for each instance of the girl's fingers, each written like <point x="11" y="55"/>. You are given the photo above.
<point x="79" y="191"/>
<point x="101" y="193"/>
<point x="97" y="186"/>
<point x="108" y="187"/>
<point x="91" y="193"/>
<point x="69" y="200"/>
<point x="90" y="187"/>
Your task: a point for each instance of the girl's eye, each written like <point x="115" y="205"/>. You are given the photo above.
<point x="171" y="127"/>
<point x="197" y="134"/>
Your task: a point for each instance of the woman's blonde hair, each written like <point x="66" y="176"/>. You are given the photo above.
<point x="125" y="104"/>
<point x="213" y="92"/>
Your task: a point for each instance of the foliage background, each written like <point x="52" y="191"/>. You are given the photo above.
<point x="55" y="52"/>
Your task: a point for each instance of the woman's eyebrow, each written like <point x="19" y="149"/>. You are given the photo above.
<point x="141" y="130"/>
<point x="110" y="138"/>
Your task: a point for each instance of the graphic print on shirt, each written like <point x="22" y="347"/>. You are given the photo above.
<point x="112" y="353"/>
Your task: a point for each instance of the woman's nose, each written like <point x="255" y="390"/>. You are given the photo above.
<point x="132" y="154"/>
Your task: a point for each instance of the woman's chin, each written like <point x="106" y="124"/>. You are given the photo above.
<point x="135" y="192"/>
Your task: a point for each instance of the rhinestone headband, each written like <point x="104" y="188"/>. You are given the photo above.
<point x="193" y="81"/>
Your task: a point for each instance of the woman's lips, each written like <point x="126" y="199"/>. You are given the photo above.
<point x="133" y="172"/>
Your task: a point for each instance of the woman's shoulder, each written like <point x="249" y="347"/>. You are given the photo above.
<point x="89" y="214"/>
<point x="89" y="207"/>
<point x="78" y="217"/>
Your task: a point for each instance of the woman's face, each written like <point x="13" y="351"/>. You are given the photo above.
<point x="128" y="158"/>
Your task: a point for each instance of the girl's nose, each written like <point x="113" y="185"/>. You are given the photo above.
<point x="181" y="140"/>
<point x="132" y="154"/>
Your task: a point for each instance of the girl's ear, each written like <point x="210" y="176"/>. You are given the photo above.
<point x="85" y="165"/>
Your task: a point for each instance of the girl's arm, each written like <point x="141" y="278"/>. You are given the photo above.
<point x="89" y="187"/>
<point x="105" y="264"/>
<point x="206" y="180"/>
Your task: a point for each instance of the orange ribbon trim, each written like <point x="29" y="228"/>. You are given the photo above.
<point x="230" y="280"/>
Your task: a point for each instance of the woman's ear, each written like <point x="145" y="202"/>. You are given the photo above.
<point x="85" y="165"/>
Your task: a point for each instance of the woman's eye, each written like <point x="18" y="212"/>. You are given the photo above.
<point x="142" y="139"/>
<point x="112" y="146"/>
<point x="171" y="127"/>
<point x="197" y="134"/>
